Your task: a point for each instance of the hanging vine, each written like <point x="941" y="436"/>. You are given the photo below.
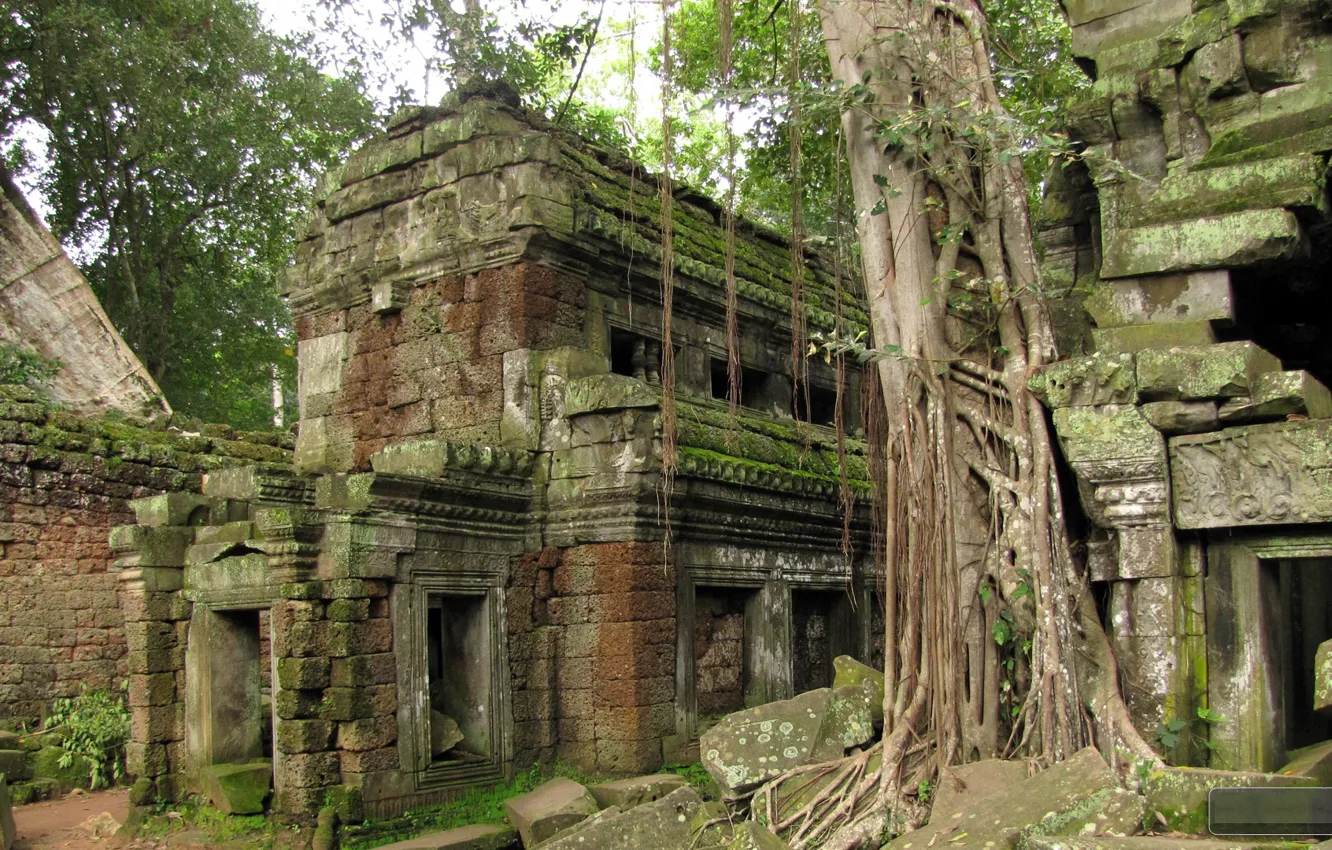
<point x="726" y="27"/>
<point x="668" y="413"/>
<point x="799" y="369"/>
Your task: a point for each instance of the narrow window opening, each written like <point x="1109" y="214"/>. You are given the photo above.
<point x="636" y="356"/>
<point x="756" y="386"/>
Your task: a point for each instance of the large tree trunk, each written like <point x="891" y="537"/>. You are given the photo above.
<point x="47" y="306"/>
<point x="991" y="648"/>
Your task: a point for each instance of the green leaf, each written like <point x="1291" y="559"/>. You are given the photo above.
<point x="985" y="593"/>
<point x="1002" y="632"/>
<point x="880" y="207"/>
<point x="881" y="179"/>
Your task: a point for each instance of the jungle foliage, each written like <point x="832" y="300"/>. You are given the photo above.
<point x="183" y="142"/>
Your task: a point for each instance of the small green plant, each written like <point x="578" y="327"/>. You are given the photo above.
<point x="924" y="791"/>
<point x="95" y="726"/>
<point x="1170" y="732"/>
<point x="21" y="366"/>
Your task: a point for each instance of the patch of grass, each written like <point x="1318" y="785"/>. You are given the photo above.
<point x="194" y="813"/>
<point x="476" y="805"/>
<point x="697" y="777"/>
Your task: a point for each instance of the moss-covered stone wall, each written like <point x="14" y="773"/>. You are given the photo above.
<point x="65" y="482"/>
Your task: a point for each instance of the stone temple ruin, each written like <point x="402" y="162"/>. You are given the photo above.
<point x="459" y="569"/>
<point x="463" y="572"/>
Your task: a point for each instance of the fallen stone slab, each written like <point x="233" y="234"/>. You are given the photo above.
<point x="6" y="816"/>
<point x="549" y="808"/>
<point x="627" y="793"/>
<point x="475" y="837"/>
<point x="1009" y="816"/>
<point x="665" y="824"/>
<point x="238" y="789"/>
<point x="849" y="671"/>
<point x="1315" y="761"/>
<point x="444" y="733"/>
<point x="1179" y="794"/>
<point x="747" y="748"/>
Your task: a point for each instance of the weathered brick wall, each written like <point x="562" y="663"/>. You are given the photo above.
<point x="593" y="656"/>
<point x="436" y="367"/>
<point x="64" y="484"/>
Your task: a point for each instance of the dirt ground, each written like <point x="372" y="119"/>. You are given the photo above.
<point x="80" y="823"/>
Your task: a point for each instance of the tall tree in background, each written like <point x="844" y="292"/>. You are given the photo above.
<point x="184" y="143"/>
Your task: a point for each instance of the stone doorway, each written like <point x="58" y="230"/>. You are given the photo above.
<point x="821" y="630"/>
<point x="458" y="661"/>
<point x="229" y="686"/>
<point x="1302" y="587"/>
<point x="1267" y="611"/>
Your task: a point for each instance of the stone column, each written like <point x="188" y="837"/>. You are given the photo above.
<point x="1122" y="470"/>
<point x="150" y="558"/>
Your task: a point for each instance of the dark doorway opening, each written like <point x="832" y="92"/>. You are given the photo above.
<point x="240" y="687"/>
<point x="459" y="661"/>
<point x="820" y="631"/>
<point x="1304" y="594"/>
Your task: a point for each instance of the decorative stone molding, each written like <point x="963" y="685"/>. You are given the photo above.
<point x="1259" y="475"/>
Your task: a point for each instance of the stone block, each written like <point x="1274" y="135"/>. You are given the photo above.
<point x="1216" y="70"/>
<point x="1179" y="794"/>
<point x="628" y="793"/>
<point x="1323" y="677"/>
<point x="237" y="789"/>
<point x="172" y="509"/>
<point x="1099" y="379"/>
<point x="608" y="392"/>
<point x="1128" y="339"/>
<point x="14" y="764"/>
<point x="1224" y="241"/>
<point x="1182" y="417"/>
<point x="747" y="748"/>
<point x="999" y="809"/>
<point x="1314" y="761"/>
<point x="475" y="837"/>
<point x="45" y="764"/>
<point x="303" y="736"/>
<point x="303" y="673"/>
<point x="1253" y="475"/>
<point x="1191" y="373"/>
<point x="549" y="808"/>
<point x="1293" y="182"/>
<point x="7" y="830"/>
<point x="1276" y="395"/>
<point x="667" y="823"/>
<point x="1163" y="299"/>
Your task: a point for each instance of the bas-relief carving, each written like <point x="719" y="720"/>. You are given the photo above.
<point x="1262" y="475"/>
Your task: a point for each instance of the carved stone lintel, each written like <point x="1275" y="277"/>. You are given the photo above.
<point x="1259" y="475"/>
